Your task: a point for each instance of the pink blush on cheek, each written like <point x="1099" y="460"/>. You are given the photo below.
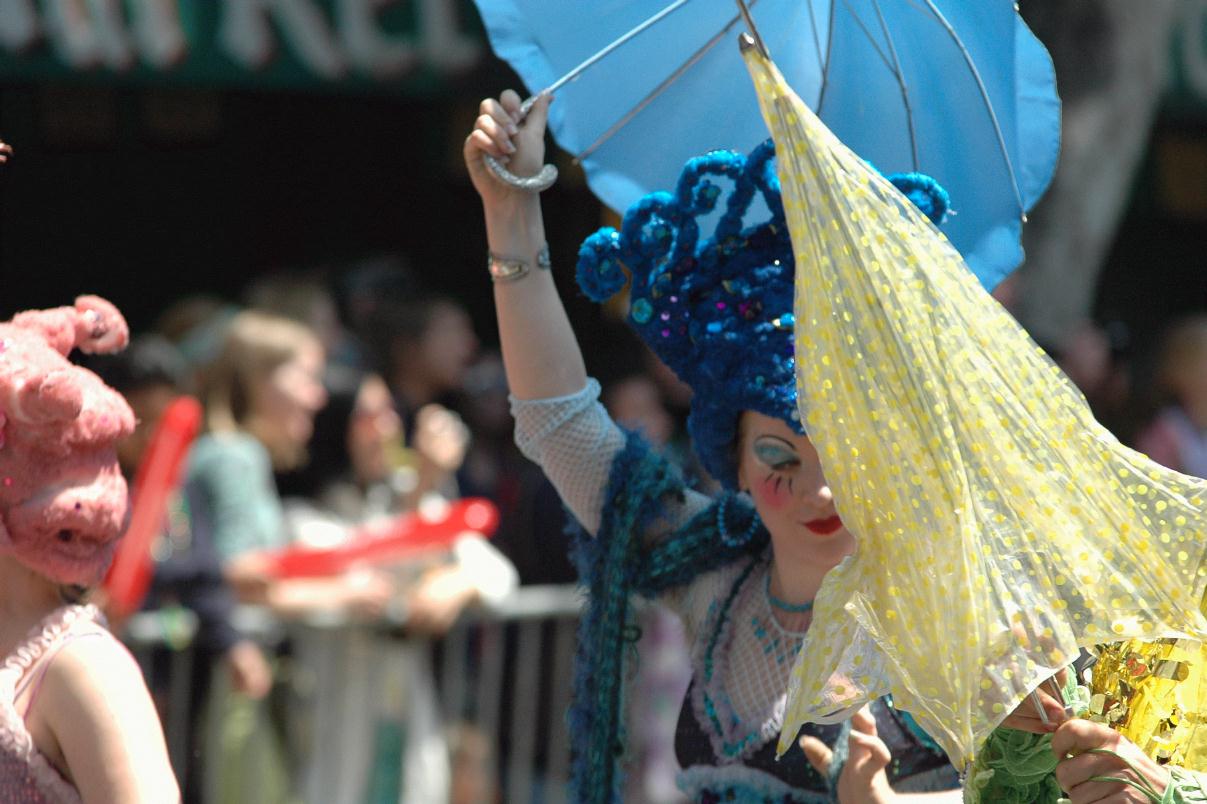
<point x="772" y="494"/>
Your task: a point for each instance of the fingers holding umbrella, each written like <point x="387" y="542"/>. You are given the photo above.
<point x="508" y="132"/>
<point x="1027" y="717"/>
<point x="530" y="132"/>
<point x="1096" y="763"/>
<point x="513" y="104"/>
<point x="6" y="151"/>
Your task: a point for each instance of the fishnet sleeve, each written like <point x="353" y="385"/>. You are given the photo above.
<point x="574" y="441"/>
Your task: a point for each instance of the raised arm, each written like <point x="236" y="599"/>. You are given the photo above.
<point x="540" y="352"/>
<point x="559" y="421"/>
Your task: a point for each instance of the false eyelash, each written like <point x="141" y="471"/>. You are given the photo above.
<point x="779" y="480"/>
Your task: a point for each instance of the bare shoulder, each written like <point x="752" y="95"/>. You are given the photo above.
<point x="94" y="671"/>
<point x="98" y="707"/>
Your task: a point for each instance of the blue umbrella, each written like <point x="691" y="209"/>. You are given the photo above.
<point x="958" y="89"/>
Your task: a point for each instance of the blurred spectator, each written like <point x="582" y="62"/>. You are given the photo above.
<point x="636" y="403"/>
<point x="423" y="347"/>
<point x="308" y="301"/>
<point x="1009" y="291"/>
<point x="1177" y="437"/>
<point x="532" y="520"/>
<point x="1096" y="359"/>
<point x="366" y="284"/>
<point x="532" y="535"/>
<point x="359" y="469"/>
<point x="353" y="481"/>
<point x="473" y="764"/>
<point x="195" y="326"/>
<point x="1085" y="356"/>
<point x="150" y="375"/>
<point x="260" y="395"/>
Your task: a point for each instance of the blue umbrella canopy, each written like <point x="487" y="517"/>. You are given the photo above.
<point x="959" y="90"/>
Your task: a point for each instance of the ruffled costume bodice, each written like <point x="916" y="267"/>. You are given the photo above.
<point x="734" y="709"/>
<point x="26" y="775"/>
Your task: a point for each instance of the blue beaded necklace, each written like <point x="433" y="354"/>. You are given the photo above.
<point x="783" y="605"/>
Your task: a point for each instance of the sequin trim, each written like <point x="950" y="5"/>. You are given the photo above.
<point x="742" y="785"/>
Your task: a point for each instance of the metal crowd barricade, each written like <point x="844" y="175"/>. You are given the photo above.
<point x="506" y="671"/>
<point x="172" y="635"/>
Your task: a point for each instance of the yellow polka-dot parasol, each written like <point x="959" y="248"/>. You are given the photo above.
<point x="999" y="526"/>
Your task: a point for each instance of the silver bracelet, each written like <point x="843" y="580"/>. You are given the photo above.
<point x="509" y="269"/>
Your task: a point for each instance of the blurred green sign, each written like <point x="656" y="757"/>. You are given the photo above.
<point x="411" y="45"/>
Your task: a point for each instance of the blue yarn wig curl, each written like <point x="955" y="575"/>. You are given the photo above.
<point x="718" y="312"/>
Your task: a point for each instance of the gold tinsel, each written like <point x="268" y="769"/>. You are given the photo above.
<point x="1152" y="692"/>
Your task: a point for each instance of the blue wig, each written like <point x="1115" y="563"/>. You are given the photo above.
<point x="718" y="312"/>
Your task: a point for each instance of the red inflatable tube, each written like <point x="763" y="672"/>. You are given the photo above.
<point x="408" y="535"/>
<point x="158" y="476"/>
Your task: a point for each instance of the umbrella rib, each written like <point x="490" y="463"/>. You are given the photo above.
<point x="997" y="127"/>
<point x="868" y="34"/>
<point x="658" y="90"/>
<point x="825" y="68"/>
<point x="900" y="75"/>
<point x="816" y="41"/>
<point x="591" y="60"/>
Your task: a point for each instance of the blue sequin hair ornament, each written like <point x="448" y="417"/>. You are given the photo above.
<point x="717" y="311"/>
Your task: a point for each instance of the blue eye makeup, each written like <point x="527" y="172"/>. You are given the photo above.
<point x="775" y="454"/>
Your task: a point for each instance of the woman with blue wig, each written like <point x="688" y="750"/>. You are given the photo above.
<point x="741" y="568"/>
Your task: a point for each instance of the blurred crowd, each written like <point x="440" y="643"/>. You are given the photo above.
<point x="329" y="410"/>
<point x="336" y="404"/>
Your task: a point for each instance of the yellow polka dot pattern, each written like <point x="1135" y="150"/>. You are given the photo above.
<point x="999" y="526"/>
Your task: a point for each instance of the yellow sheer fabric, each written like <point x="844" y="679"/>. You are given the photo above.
<point x="999" y="526"/>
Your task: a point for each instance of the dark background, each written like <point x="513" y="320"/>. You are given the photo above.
<point x="146" y="194"/>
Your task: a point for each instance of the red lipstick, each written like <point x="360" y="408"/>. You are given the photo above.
<point x="826" y="526"/>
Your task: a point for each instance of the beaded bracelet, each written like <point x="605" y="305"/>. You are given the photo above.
<point x="509" y="269"/>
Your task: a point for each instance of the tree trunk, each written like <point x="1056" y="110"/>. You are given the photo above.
<point x="1111" y="59"/>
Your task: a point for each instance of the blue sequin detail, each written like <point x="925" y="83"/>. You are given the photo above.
<point x="642" y="311"/>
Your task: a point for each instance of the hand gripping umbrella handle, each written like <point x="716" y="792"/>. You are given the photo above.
<point x="541" y="181"/>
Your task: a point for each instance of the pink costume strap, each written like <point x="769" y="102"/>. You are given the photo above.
<point x="38" y="675"/>
<point x="43" y="642"/>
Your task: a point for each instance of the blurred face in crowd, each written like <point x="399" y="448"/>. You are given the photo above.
<point x="448" y="346"/>
<point x="148" y="404"/>
<point x="637" y="404"/>
<point x="374" y="426"/>
<point x="1086" y="359"/>
<point x="1190" y="380"/>
<point x="285" y="401"/>
<point x="1183" y="367"/>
